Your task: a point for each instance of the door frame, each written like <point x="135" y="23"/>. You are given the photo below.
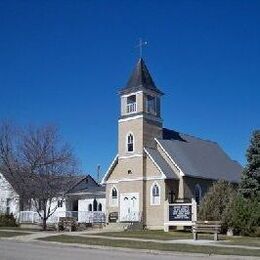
<point x="134" y="215"/>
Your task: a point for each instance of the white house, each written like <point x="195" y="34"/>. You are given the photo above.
<point x="9" y="198"/>
<point x="85" y="201"/>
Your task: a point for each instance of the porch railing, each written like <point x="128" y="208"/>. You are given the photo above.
<point x="81" y="216"/>
<point x="131" y="108"/>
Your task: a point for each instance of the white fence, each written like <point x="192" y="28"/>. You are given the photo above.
<point x="81" y="216"/>
<point x="29" y="217"/>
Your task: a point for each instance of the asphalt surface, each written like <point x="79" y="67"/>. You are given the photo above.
<point x="12" y="250"/>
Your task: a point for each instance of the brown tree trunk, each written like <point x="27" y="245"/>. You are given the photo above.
<point x="44" y="224"/>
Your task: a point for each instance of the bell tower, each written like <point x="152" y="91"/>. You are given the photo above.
<point x="140" y="117"/>
<point x="139" y="123"/>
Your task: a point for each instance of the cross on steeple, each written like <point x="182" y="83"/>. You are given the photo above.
<point x="140" y="46"/>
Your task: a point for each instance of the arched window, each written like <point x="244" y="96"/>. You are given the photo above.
<point x="197" y="193"/>
<point x="155" y="194"/>
<point x="114" y="197"/>
<point x="130" y="143"/>
<point x="89" y="207"/>
<point x="99" y="207"/>
<point x="95" y="205"/>
<point x="114" y="193"/>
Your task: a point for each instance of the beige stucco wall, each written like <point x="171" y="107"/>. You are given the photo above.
<point x="135" y="164"/>
<point x="124" y="187"/>
<point x="150" y="169"/>
<point x="154" y="214"/>
<point x="135" y="127"/>
<point x="189" y="186"/>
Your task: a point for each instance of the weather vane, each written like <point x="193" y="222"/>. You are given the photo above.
<point x="140" y="46"/>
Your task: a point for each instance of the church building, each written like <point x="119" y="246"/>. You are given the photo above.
<point x="155" y="166"/>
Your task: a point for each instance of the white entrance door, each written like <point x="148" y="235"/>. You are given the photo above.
<point x="129" y="207"/>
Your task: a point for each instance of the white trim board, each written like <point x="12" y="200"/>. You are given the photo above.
<point x="131" y="94"/>
<point x="140" y="116"/>
<point x="135" y="179"/>
<point x="109" y="169"/>
<point x="131" y="156"/>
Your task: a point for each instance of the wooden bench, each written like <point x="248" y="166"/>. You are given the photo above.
<point x="212" y="227"/>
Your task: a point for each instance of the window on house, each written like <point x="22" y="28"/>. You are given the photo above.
<point x="114" y="197"/>
<point x="198" y="193"/>
<point x="99" y="207"/>
<point x="8" y="202"/>
<point x="89" y="207"/>
<point x="130" y="143"/>
<point x="155" y="200"/>
<point x="131" y="104"/>
<point x="60" y="203"/>
<point x="95" y="205"/>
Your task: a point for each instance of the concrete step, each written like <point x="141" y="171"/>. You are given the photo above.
<point x="119" y="226"/>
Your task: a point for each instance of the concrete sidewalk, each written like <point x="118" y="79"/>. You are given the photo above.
<point x="175" y="241"/>
<point x="31" y="237"/>
<point x="92" y="234"/>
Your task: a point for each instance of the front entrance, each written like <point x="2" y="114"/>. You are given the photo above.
<point x="129" y="207"/>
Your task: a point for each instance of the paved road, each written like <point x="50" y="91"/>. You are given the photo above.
<point x="12" y="250"/>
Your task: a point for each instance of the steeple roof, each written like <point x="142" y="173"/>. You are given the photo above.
<point x="140" y="80"/>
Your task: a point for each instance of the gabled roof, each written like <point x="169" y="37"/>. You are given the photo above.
<point x="87" y="184"/>
<point x="110" y="169"/>
<point x="10" y="179"/>
<point x="65" y="181"/>
<point x="140" y="80"/>
<point x="199" y="158"/>
<point x="161" y="164"/>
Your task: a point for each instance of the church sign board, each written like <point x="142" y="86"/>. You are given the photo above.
<point x="180" y="212"/>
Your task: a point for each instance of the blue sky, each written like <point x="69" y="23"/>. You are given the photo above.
<point x="63" y="62"/>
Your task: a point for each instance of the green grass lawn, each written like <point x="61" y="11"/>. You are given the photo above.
<point x="158" y="235"/>
<point x="245" y="241"/>
<point x="12" y="234"/>
<point x="19" y="229"/>
<point x="152" y="245"/>
<point x="161" y="235"/>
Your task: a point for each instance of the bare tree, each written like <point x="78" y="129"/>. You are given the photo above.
<point x="38" y="164"/>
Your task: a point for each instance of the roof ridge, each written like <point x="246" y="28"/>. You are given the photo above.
<point x="190" y="135"/>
